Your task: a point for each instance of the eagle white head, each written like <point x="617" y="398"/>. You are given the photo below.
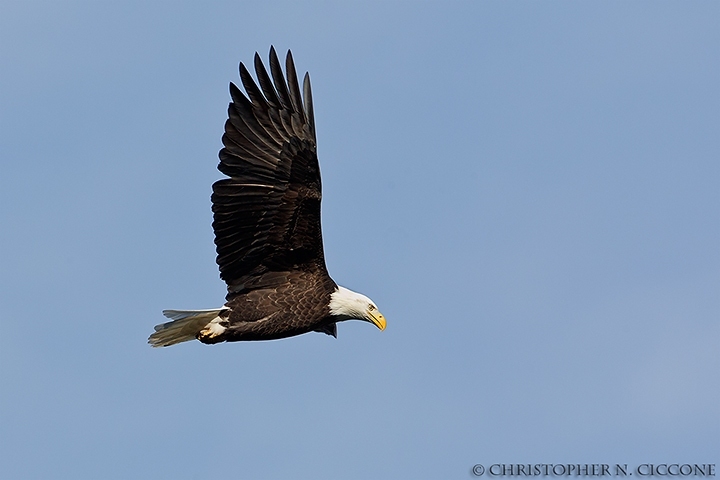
<point x="346" y="304"/>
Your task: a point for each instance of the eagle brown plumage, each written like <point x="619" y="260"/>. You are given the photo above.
<point x="267" y="223"/>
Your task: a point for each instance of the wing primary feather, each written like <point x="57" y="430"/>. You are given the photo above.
<point x="265" y="82"/>
<point x="256" y="97"/>
<point x="309" y="110"/>
<point x="293" y="84"/>
<point x="279" y="80"/>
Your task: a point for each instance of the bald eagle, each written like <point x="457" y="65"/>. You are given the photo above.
<point x="267" y="223"/>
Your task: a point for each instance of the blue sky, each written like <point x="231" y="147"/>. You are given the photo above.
<point x="528" y="190"/>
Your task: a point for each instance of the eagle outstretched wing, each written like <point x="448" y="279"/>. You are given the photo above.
<point x="267" y="214"/>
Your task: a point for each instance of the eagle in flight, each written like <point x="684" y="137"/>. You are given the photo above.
<point x="267" y="223"/>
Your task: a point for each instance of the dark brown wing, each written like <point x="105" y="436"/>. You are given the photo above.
<point x="267" y="214"/>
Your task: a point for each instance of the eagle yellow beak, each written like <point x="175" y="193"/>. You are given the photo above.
<point x="377" y="319"/>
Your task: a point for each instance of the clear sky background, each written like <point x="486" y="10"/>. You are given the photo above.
<point x="530" y="191"/>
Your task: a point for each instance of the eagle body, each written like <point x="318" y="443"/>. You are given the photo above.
<point x="298" y="306"/>
<point x="268" y="235"/>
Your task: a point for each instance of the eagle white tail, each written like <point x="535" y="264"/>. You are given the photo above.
<point x="186" y="325"/>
